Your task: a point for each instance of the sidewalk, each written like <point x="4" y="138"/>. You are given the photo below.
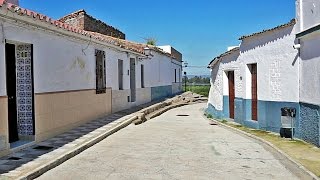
<point x="19" y="164"/>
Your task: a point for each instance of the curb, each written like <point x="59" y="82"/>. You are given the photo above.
<point x="161" y="111"/>
<point x="68" y="155"/>
<point x="300" y="166"/>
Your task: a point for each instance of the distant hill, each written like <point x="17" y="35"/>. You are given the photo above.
<point x="203" y="76"/>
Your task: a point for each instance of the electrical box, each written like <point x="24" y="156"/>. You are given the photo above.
<point x="288" y="116"/>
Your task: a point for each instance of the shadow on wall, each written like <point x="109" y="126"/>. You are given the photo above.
<point x="263" y="40"/>
<point x="214" y="72"/>
<point x="309" y="49"/>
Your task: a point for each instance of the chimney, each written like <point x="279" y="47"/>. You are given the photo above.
<point x="16" y="2"/>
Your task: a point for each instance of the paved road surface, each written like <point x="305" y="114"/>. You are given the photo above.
<point x="173" y="147"/>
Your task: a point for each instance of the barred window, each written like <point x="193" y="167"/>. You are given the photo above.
<point x="100" y="72"/>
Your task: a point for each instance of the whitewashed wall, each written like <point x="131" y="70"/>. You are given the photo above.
<point x="176" y="65"/>
<point x="219" y="79"/>
<point x="63" y="64"/>
<point x="59" y="64"/>
<point x="310" y="70"/>
<point x="308" y="13"/>
<point x="158" y="71"/>
<point x="112" y="58"/>
<point x="278" y="69"/>
<point x="166" y="48"/>
<point x="277" y="65"/>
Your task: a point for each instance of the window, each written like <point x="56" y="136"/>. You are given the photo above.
<point x="142" y="76"/>
<point x="100" y="72"/>
<point x="120" y="74"/>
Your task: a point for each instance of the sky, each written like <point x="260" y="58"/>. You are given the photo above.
<point x="199" y="29"/>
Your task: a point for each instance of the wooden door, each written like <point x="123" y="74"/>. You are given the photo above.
<point x="120" y="74"/>
<point x="133" y="79"/>
<point x="231" y="93"/>
<point x="142" y="76"/>
<point x="254" y="91"/>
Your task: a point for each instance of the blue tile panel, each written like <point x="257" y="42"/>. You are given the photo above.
<point x="309" y="123"/>
<point x="161" y="92"/>
<point x="24" y="90"/>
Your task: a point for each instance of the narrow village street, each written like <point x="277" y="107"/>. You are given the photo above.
<point x="179" y="144"/>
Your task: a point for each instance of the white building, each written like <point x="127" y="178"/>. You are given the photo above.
<point x="287" y="66"/>
<point x="55" y="76"/>
<point x="251" y="83"/>
<point x="308" y="37"/>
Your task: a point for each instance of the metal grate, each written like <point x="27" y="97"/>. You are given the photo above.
<point x="183" y="115"/>
<point x="14" y="158"/>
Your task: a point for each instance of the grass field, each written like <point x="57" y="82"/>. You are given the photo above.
<point x="202" y="90"/>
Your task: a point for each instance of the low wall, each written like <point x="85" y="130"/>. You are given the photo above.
<point x="120" y="100"/>
<point x="310" y="123"/>
<point x="161" y="92"/>
<point x="269" y="116"/>
<point x="4" y="138"/>
<point x="59" y="112"/>
<point x="143" y="96"/>
<point x="176" y="88"/>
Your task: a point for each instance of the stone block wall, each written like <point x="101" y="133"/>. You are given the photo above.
<point x="86" y="22"/>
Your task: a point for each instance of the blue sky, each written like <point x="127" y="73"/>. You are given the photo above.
<point x="200" y="29"/>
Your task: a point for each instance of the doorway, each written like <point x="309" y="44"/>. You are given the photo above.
<point x="19" y="75"/>
<point x="120" y="74"/>
<point x="133" y="79"/>
<point x="231" y="93"/>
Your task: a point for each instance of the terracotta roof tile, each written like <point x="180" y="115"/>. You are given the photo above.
<point x="37" y="16"/>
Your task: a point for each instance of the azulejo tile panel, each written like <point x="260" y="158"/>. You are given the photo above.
<point x="24" y="90"/>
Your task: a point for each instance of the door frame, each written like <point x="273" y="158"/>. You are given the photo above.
<point x="13" y="134"/>
<point x="232" y="93"/>
<point x="16" y="43"/>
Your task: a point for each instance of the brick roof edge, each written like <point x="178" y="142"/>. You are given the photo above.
<point x="291" y="23"/>
<point x="223" y="55"/>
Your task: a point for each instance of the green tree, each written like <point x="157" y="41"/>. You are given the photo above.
<point x="151" y="41"/>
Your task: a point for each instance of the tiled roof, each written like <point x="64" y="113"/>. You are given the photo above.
<point x="138" y="47"/>
<point x="132" y="46"/>
<point x="218" y="58"/>
<point x="55" y="23"/>
<point x="291" y="23"/>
